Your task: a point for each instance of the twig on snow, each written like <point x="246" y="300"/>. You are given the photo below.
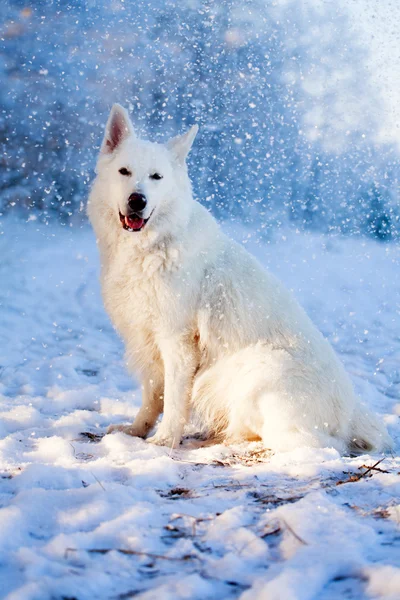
<point x="289" y="528"/>
<point x="195" y="520"/>
<point x="236" y="484"/>
<point x="354" y="478"/>
<point x="272" y="531"/>
<point x="98" y="481"/>
<point x="131" y="553"/>
<point x="374" y="468"/>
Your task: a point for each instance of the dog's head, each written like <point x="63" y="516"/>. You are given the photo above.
<point x="139" y="180"/>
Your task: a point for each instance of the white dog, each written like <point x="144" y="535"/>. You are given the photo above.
<point x="206" y="328"/>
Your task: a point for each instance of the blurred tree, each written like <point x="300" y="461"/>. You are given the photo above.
<point x="378" y="219"/>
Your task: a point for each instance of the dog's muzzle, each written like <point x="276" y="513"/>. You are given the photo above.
<point x="134" y="220"/>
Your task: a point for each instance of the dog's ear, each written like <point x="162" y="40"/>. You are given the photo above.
<point x="118" y="128"/>
<point x="180" y="145"/>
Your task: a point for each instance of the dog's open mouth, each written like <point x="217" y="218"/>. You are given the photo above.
<point x="133" y="222"/>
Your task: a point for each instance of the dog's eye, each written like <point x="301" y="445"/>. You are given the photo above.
<point x="156" y="176"/>
<point x="125" y="171"/>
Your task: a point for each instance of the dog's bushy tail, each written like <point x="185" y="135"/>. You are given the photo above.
<point x="368" y="433"/>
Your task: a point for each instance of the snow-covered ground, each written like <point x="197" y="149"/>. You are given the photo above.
<point x="89" y="517"/>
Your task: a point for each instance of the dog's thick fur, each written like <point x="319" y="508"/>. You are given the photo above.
<point x="206" y="328"/>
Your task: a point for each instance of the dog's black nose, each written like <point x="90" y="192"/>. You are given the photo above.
<point x="137" y="202"/>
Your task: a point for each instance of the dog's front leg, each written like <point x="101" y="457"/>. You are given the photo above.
<point x="152" y="405"/>
<point x="179" y="367"/>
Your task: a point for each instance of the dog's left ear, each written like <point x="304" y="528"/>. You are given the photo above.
<point x="181" y="144"/>
<point x="118" y="128"/>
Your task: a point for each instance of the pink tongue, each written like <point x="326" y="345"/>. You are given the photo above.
<point x="135" y="223"/>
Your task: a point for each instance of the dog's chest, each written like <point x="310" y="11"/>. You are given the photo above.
<point x="142" y="294"/>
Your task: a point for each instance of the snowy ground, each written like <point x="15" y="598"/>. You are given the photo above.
<point x="89" y="517"/>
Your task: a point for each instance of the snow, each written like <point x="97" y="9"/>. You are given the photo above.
<point x="84" y="516"/>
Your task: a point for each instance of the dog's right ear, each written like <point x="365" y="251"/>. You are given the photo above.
<point x="118" y="128"/>
<point x="181" y="144"/>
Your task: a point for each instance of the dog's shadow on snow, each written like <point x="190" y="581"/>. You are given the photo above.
<point x="225" y="453"/>
<point x="196" y="441"/>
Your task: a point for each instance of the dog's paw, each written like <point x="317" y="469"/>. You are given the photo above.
<point x="128" y="429"/>
<point x="165" y="439"/>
